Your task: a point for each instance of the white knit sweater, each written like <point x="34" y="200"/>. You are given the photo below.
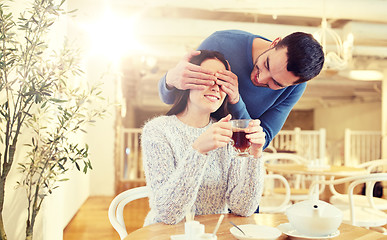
<point x="182" y="179"/>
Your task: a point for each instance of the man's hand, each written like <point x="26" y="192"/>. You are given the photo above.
<point x="186" y="75"/>
<point x="216" y="136"/>
<point x="228" y="82"/>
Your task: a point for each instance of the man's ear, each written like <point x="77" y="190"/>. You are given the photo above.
<point x="273" y="43"/>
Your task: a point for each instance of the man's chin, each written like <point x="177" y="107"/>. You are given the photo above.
<point x="260" y="85"/>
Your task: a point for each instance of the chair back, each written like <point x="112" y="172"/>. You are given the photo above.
<point x="270" y="149"/>
<point x="375" y="165"/>
<point x="297" y="181"/>
<point x="271" y="202"/>
<point x="116" y="208"/>
<point x="353" y="181"/>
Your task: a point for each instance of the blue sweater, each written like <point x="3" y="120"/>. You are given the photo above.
<point x="271" y="107"/>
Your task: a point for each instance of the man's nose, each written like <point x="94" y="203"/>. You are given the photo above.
<point x="263" y="78"/>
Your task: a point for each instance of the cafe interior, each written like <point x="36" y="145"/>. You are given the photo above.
<point x="331" y="149"/>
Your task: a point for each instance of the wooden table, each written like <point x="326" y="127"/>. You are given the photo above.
<point x="338" y="171"/>
<point x="161" y="231"/>
<point x="333" y="171"/>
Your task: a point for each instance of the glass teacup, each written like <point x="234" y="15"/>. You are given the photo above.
<point x="239" y="141"/>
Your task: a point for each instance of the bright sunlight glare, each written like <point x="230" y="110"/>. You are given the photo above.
<point x="112" y="36"/>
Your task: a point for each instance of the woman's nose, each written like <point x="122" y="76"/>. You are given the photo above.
<point x="215" y="88"/>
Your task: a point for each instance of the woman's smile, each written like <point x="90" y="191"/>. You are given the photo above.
<point x="211" y="97"/>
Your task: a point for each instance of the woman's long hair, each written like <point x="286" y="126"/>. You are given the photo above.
<point x="181" y="96"/>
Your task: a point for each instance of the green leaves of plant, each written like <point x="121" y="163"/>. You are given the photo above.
<point x="36" y="95"/>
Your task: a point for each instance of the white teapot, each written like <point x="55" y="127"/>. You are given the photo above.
<point x="314" y="217"/>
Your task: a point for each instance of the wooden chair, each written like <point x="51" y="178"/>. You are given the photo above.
<point x="362" y="200"/>
<point x="270" y="149"/>
<point x="358" y="215"/>
<point x="271" y="202"/>
<point x="116" y="208"/>
<point x="298" y="188"/>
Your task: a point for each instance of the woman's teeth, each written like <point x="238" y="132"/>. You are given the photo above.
<point x="212" y="97"/>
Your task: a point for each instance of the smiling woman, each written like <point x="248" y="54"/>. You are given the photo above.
<point x="217" y="98"/>
<point x="189" y="163"/>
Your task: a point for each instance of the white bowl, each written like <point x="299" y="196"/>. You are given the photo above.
<point x="314" y="218"/>
<point x="255" y="232"/>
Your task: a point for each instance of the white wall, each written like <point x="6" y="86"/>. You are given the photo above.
<point x="101" y="137"/>
<point x="99" y="68"/>
<point x="60" y="207"/>
<point x="360" y="116"/>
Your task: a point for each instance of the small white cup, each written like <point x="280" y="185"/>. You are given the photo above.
<point x="193" y="229"/>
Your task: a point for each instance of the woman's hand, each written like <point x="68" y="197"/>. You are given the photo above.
<point x="257" y="137"/>
<point x="216" y="136"/>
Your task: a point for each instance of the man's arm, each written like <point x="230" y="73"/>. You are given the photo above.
<point x="166" y="95"/>
<point x="239" y="110"/>
<point x="274" y="118"/>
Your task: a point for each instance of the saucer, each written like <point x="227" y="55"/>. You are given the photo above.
<point x="288" y="229"/>
<point x="255" y="232"/>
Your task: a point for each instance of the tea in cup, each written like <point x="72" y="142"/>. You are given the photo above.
<point x="239" y="141"/>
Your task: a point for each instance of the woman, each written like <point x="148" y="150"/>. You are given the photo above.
<point x="189" y="165"/>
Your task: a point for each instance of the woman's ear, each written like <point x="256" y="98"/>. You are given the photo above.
<point x="275" y="42"/>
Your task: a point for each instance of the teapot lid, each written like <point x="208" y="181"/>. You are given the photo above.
<point x="313" y="208"/>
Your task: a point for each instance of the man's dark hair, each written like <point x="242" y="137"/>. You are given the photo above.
<point x="181" y="96"/>
<point x="305" y="55"/>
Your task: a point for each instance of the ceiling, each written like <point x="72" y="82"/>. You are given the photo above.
<point x="169" y="28"/>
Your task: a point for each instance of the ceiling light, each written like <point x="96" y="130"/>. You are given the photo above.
<point x="337" y="57"/>
<point x="366" y="75"/>
<point x="362" y="75"/>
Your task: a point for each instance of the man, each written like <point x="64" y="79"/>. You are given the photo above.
<point x="266" y="78"/>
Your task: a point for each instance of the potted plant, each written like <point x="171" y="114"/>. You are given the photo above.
<point x="38" y="98"/>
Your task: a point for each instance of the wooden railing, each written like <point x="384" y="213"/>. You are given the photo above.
<point x="361" y="146"/>
<point x="310" y="144"/>
<point x="129" y="168"/>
